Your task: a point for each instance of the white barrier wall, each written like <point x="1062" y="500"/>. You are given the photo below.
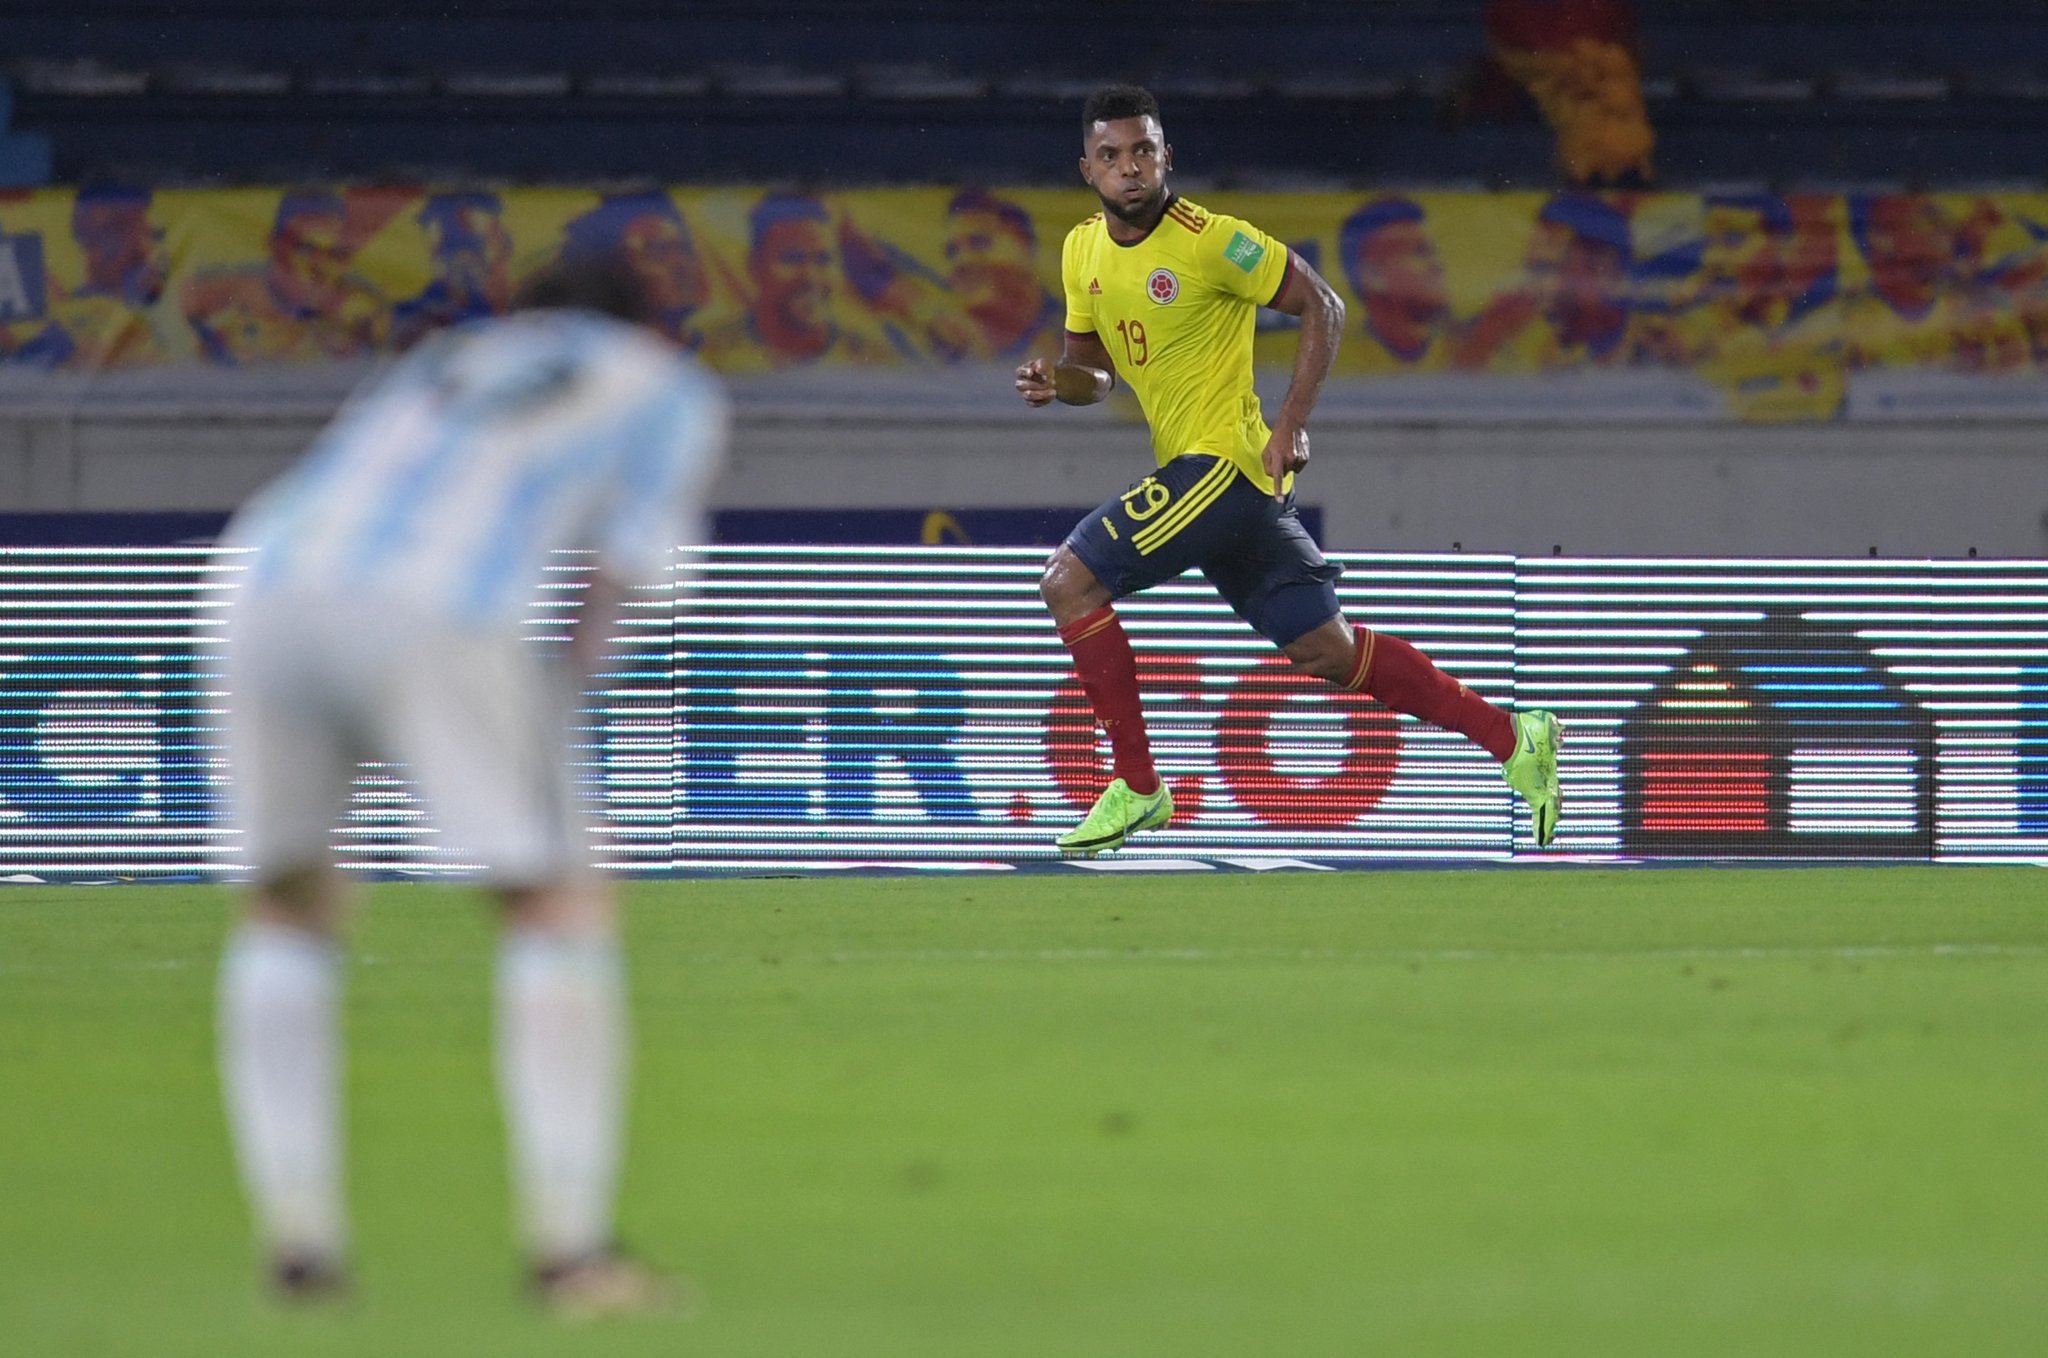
<point x="1906" y="489"/>
<point x="1563" y="465"/>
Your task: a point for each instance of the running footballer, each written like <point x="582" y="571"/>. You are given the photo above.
<point x="1161" y="294"/>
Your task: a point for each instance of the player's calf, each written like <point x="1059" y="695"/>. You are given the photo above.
<point x="1409" y="682"/>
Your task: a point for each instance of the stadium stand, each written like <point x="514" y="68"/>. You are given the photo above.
<point x="24" y="156"/>
<point x="1799" y="93"/>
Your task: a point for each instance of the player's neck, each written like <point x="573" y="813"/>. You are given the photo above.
<point x="1126" y="232"/>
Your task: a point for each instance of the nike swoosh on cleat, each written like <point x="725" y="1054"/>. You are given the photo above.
<point x="1098" y="841"/>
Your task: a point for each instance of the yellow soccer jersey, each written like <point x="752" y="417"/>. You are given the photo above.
<point x="1175" y="310"/>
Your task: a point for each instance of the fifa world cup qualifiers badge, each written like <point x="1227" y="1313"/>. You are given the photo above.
<point x="1162" y="286"/>
<point x="1244" y="252"/>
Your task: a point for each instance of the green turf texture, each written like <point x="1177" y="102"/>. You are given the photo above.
<point x="1408" y="1113"/>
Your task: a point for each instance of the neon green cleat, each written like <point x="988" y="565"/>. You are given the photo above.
<point x="1532" y="770"/>
<point x="1116" y="814"/>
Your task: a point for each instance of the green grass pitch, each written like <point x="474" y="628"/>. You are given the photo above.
<point x="1572" y="1112"/>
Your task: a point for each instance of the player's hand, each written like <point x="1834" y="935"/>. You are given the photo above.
<point x="1034" y="382"/>
<point x="1286" y="451"/>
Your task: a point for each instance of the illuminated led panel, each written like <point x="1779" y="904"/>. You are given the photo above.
<point x="793" y="705"/>
<point x="1776" y="707"/>
<point x="1977" y="657"/>
<point x="107" y="698"/>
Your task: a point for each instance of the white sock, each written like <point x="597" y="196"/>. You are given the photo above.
<point x="562" y="1077"/>
<point x="279" y="1063"/>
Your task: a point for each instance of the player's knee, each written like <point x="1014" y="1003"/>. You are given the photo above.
<point x="1315" y="655"/>
<point x="1069" y="588"/>
<point x="1322" y="666"/>
<point x="1049" y="585"/>
<point x="308" y="897"/>
<point x="1058" y="585"/>
<point x="580" y="903"/>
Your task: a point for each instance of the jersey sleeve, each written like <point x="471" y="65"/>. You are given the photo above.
<point x="1080" y="306"/>
<point x="669" y="455"/>
<point x="1241" y="259"/>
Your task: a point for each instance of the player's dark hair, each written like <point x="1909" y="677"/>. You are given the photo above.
<point x="1002" y="209"/>
<point x="1112" y="102"/>
<point x="92" y="193"/>
<point x="776" y="208"/>
<point x="1362" y="225"/>
<point x="298" y="203"/>
<point x="601" y="282"/>
<point x="600" y="229"/>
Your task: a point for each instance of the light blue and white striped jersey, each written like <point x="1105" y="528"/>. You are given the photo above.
<point x="444" y="485"/>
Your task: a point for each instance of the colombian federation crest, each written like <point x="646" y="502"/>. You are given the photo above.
<point x="1162" y="286"/>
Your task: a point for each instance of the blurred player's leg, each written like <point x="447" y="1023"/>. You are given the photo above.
<point x="280" y="1069"/>
<point x="562" y="1074"/>
<point x="279" y="985"/>
<point x="486" y="724"/>
<point x="563" y="1042"/>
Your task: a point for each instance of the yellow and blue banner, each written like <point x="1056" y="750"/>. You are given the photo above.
<point x="1778" y="303"/>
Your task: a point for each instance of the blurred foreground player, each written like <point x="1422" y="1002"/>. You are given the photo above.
<point x="379" y="617"/>
<point x="1163" y="292"/>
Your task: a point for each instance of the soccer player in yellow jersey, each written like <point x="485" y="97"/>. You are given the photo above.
<point x="1161" y="292"/>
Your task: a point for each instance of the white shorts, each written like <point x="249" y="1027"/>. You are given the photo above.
<point x="482" y="722"/>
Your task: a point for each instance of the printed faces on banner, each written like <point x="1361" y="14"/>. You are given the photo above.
<point x="1779" y="301"/>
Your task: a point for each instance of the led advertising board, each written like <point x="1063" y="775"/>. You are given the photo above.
<point x="816" y="706"/>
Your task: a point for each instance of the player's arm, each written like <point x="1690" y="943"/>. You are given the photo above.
<point x="1307" y="295"/>
<point x="1084" y="375"/>
<point x="1085" y="372"/>
<point x="658" y="501"/>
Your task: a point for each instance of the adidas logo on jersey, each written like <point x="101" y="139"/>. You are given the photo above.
<point x="1095" y="287"/>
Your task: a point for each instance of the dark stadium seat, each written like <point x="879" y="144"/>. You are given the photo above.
<point x="1738" y="89"/>
<point x="24" y="156"/>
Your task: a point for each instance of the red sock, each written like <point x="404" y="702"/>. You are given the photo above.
<point x="1408" y="681"/>
<point x="1109" y="676"/>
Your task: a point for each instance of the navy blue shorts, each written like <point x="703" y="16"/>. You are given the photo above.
<point x="1200" y="510"/>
